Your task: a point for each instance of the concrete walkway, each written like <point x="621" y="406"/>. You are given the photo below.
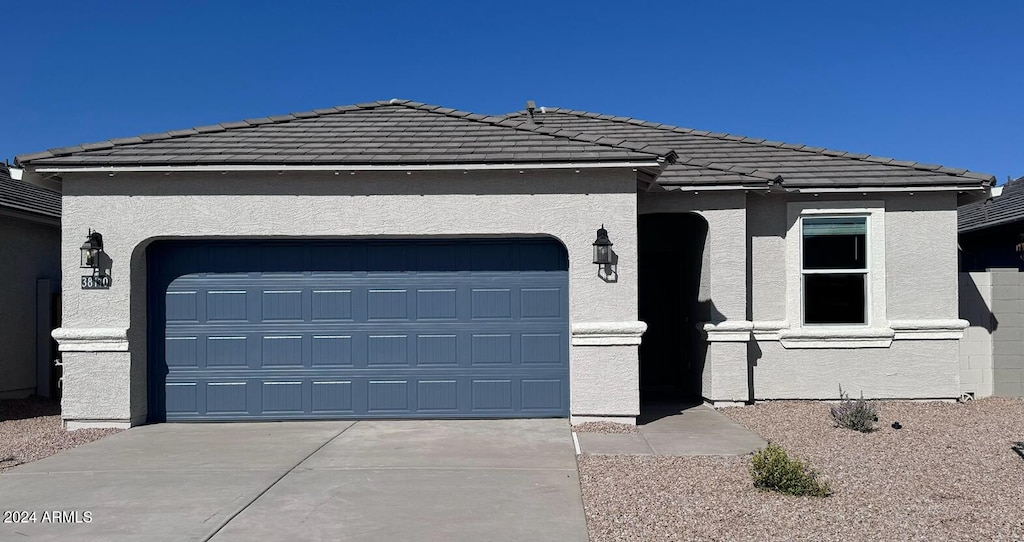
<point x="676" y="430"/>
<point x="369" y="480"/>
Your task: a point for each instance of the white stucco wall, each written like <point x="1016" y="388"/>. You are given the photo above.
<point x="132" y="210"/>
<point x="908" y="351"/>
<point x="28" y="251"/>
<point x="908" y="369"/>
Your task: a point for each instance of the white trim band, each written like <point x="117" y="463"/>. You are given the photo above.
<point x="952" y="328"/>
<point x="836" y="337"/>
<point x="729" y="331"/>
<point x="858" y="337"/>
<point x="608" y="333"/>
<point x="91" y="339"/>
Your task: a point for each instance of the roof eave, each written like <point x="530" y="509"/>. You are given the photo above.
<point x="653" y="163"/>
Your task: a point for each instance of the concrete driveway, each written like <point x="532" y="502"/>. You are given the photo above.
<point x="368" y="480"/>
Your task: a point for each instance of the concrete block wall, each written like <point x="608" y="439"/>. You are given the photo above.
<point x="1008" y="332"/>
<point x="976" y="344"/>
<point x="992" y="348"/>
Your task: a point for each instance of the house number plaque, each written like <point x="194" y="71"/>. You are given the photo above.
<point x="95" y="282"/>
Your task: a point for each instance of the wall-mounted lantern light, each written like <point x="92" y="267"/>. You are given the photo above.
<point x="91" y="250"/>
<point x="1020" y="246"/>
<point x="602" y="248"/>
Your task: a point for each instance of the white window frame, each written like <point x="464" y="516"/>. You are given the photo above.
<point x="837" y="335"/>
<point x="866" y="271"/>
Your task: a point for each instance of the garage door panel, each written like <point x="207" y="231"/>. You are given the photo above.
<point x="492" y="394"/>
<point x="332" y="397"/>
<point x="541" y="394"/>
<point x="437" y="396"/>
<point x="282" y="351"/>
<point x="390" y="304"/>
<point x="331" y="304"/>
<point x="227" y="397"/>
<point x="227" y="351"/>
<point x="437" y="350"/>
<point x="282" y="305"/>
<point x="182" y="398"/>
<point x="182" y="306"/>
<point x="331" y="350"/>
<point x="541" y="302"/>
<point x="491" y="303"/>
<point x="374" y="396"/>
<point x="437" y="304"/>
<point x="335" y="329"/>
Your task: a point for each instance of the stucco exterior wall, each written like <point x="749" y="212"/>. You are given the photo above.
<point x="909" y="350"/>
<point x="908" y="369"/>
<point x="920" y="252"/>
<point x="921" y="257"/>
<point x="28" y="251"/>
<point x="920" y="293"/>
<point x="133" y="210"/>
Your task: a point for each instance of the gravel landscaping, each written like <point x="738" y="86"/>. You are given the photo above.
<point x="605" y="427"/>
<point x="31" y="429"/>
<point x="950" y="473"/>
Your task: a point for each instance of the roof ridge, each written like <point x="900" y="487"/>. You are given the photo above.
<point x="528" y="126"/>
<point x="680" y="159"/>
<point x="722" y="136"/>
<point x="495" y="120"/>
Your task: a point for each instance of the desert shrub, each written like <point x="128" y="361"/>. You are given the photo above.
<point x="774" y="470"/>
<point x="856" y="414"/>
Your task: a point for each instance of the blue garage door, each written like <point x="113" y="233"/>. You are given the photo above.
<point x="358" y="329"/>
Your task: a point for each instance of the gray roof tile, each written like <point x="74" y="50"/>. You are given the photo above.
<point x="386" y="132"/>
<point x="747" y="161"/>
<point x="1005" y="208"/>
<point x="26" y="197"/>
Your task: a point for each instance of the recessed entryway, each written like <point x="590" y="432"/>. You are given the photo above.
<point x="672" y="255"/>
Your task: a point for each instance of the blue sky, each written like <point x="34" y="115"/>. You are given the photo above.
<point x="933" y="81"/>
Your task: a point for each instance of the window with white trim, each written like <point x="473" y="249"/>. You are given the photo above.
<point x="834" y="267"/>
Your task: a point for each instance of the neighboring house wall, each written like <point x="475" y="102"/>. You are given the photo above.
<point x="107" y="386"/>
<point x="991" y="248"/>
<point x="992" y="352"/>
<point x="908" y="351"/>
<point x="29" y="251"/>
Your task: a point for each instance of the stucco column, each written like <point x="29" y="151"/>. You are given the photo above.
<point x="729" y="331"/>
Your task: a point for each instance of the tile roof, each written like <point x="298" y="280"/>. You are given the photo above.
<point x="1005" y="208"/>
<point x="709" y="158"/>
<point x="394" y="132"/>
<point x="22" y="196"/>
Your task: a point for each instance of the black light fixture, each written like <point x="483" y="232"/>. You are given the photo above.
<point x="1020" y="246"/>
<point x="91" y="250"/>
<point x="602" y="248"/>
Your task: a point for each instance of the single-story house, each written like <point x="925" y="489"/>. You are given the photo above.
<point x="30" y="266"/>
<point x="992" y="293"/>
<point x="395" y="259"/>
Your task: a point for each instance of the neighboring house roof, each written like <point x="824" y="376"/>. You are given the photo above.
<point x="710" y="160"/>
<point x="395" y="132"/>
<point x="1005" y="208"/>
<point x="25" y="197"/>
